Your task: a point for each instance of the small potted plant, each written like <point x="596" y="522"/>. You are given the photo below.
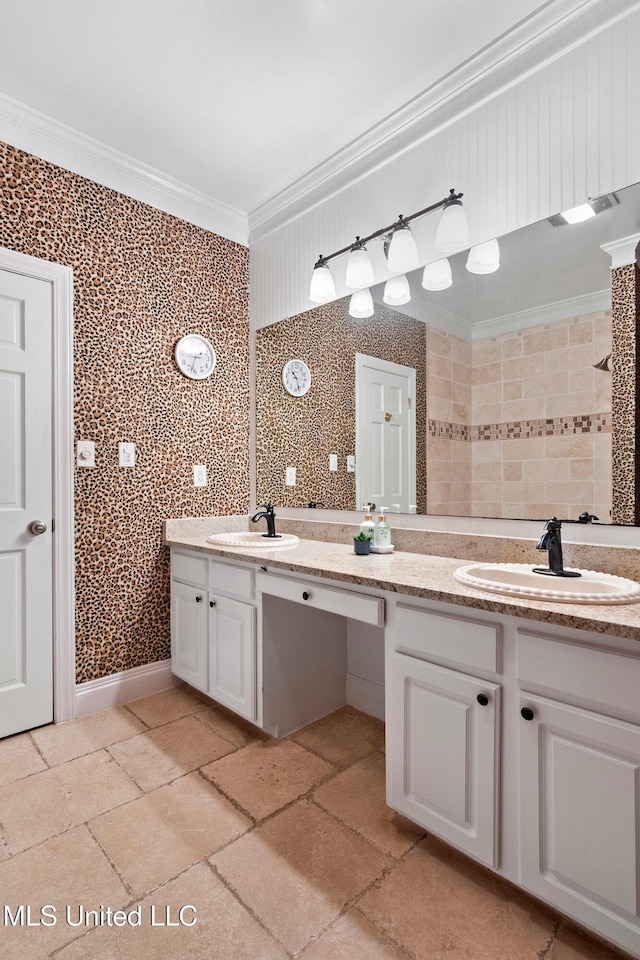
<point x="362" y="544"/>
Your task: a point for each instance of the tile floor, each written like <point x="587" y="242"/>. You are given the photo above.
<point x="284" y="848"/>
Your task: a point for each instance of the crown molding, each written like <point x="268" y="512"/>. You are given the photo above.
<point x="32" y="131"/>
<point x="623" y="251"/>
<point x="553" y="30"/>
<point x="547" y="313"/>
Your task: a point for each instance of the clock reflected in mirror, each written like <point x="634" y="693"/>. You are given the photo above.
<point x="296" y="377"/>
<point x="195" y="356"/>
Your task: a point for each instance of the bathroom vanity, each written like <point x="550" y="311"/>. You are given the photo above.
<point x="513" y="726"/>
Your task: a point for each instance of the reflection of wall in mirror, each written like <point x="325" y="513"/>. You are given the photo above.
<point x="520" y="424"/>
<point x="302" y="432"/>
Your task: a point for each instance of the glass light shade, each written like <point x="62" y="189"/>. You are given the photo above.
<point x="359" y="270"/>
<point x="577" y="214"/>
<point x="361" y="304"/>
<point x="397" y="291"/>
<point x="403" y="252"/>
<point x="437" y="275"/>
<point x="452" y="233"/>
<point x="484" y="258"/>
<point x="322" y="288"/>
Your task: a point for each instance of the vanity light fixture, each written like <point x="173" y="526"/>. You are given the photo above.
<point x="437" y="275"/>
<point x="397" y="291"/>
<point x="484" y="258"/>
<point x="361" y="304"/>
<point x="452" y="235"/>
<point x="359" y="267"/>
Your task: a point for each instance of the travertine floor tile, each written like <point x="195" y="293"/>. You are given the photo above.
<point x="169" y="752"/>
<point x="60" y="742"/>
<point x="352" y="937"/>
<point x="297" y="870"/>
<point x="238" y="731"/>
<point x="573" y="945"/>
<point x="167" y="705"/>
<point x="224" y="929"/>
<point x="68" y="870"/>
<point x="18" y="758"/>
<point x="343" y="737"/>
<point x="157" y="836"/>
<point x="437" y="903"/>
<point x="266" y="776"/>
<point x="51" y="802"/>
<point x="357" y="796"/>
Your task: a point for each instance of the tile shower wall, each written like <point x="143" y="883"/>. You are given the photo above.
<point x="520" y="424"/>
<point x="302" y="432"/>
<point x="142" y="279"/>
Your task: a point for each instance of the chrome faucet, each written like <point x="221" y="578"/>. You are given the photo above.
<point x="270" y="515"/>
<point x="551" y="541"/>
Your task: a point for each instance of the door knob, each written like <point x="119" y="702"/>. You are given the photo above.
<point x="37" y="527"/>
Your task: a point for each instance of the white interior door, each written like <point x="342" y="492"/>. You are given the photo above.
<point x="26" y="493"/>
<point x="385" y="435"/>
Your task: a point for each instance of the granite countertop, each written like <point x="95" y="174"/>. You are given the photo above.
<point x="417" y="575"/>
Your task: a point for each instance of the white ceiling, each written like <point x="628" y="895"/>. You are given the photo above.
<point x="236" y="98"/>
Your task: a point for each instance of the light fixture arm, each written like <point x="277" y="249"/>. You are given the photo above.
<point x="453" y="197"/>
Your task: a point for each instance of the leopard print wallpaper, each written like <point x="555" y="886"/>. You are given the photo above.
<point x="625" y="297"/>
<point x="142" y="279"/>
<point x="303" y="431"/>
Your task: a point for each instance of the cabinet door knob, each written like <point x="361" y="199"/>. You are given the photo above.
<point x="482" y="699"/>
<point x="526" y="713"/>
<point x="212" y="603"/>
<point x="305" y="595"/>
<point x="198" y="599"/>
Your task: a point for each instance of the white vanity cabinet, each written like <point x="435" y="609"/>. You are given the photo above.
<point x="189" y="615"/>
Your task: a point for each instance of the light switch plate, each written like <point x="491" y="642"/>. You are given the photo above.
<point x="199" y="475"/>
<point x="290" y="476"/>
<point x="86" y="453"/>
<point x="126" y="454"/>
<point x="351" y="464"/>
<point x="333" y="462"/>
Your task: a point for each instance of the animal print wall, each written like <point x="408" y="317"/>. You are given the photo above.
<point x="142" y="279"/>
<point x="302" y="432"/>
<point x="625" y="295"/>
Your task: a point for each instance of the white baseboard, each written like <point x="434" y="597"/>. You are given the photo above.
<point x="119" y="688"/>
<point x="366" y="696"/>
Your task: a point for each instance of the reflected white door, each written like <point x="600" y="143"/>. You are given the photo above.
<point x="26" y="572"/>
<point x="385" y="435"/>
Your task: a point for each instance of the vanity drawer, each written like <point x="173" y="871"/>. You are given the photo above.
<point x="228" y="578"/>
<point x="599" y="676"/>
<point x="346" y="603"/>
<point x="190" y="568"/>
<point x="426" y="634"/>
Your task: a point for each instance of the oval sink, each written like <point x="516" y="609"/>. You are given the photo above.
<point x="254" y="541"/>
<point x="519" y="580"/>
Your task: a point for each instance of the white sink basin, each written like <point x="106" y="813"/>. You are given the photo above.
<point x="255" y="541"/>
<point x="518" y="580"/>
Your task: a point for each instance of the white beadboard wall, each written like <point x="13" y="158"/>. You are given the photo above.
<point x="538" y="133"/>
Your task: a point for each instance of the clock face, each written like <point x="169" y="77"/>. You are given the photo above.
<point x="195" y="356"/>
<point x="296" y="377"/>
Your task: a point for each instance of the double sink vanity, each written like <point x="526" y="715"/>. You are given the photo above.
<point x="512" y="722"/>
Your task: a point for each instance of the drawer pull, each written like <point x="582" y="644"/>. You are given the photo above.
<point x="198" y="599"/>
<point x="212" y="603"/>
<point x="526" y="713"/>
<point x="482" y="699"/>
<point x="305" y="595"/>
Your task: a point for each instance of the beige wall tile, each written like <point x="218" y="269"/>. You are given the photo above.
<point x="512" y="470"/>
<point x="581" y="332"/>
<point x="439" y="387"/>
<point x="440" y="409"/>
<point x="487" y="413"/>
<point x="481" y="509"/>
<point x="543" y="470"/>
<point x="487" y="373"/>
<point x="461" y="412"/>
<point x="438" y="342"/>
<point x="521" y="367"/>
<point x="487" y="470"/>
<point x="438" y="470"/>
<point x="512" y="347"/>
<point x="527" y="448"/>
<point x="512" y="390"/>
<point x="549" y="384"/>
<point x="581" y="469"/>
<point x="486" y="450"/>
<point x="461" y="350"/>
<point x="545" y="340"/>
<point x="487" y="491"/>
<point x="484" y="393"/>
<point x="486" y="351"/>
<point x="573" y="445"/>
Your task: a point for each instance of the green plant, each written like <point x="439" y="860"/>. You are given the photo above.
<point x="362" y="537"/>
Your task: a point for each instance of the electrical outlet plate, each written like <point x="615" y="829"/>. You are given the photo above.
<point x="199" y="475"/>
<point x="333" y="462"/>
<point x="290" y="477"/>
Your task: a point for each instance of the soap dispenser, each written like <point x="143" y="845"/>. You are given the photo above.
<point x="382" y="536"/>
<point x="367" y="526"/>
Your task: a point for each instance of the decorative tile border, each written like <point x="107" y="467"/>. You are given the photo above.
<point x="522" y="429"/>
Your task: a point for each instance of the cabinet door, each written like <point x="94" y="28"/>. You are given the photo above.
<point x="233" y="657"/>
<point x="442" y="753"/>
<point x="580" y="777"/>
<point x="189" y="659"/>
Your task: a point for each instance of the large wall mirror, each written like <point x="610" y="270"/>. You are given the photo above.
<point x="497" y="396"/>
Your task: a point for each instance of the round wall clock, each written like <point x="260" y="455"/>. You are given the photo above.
<point x="296" y="377"/>
<point x="195" y="356"/>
